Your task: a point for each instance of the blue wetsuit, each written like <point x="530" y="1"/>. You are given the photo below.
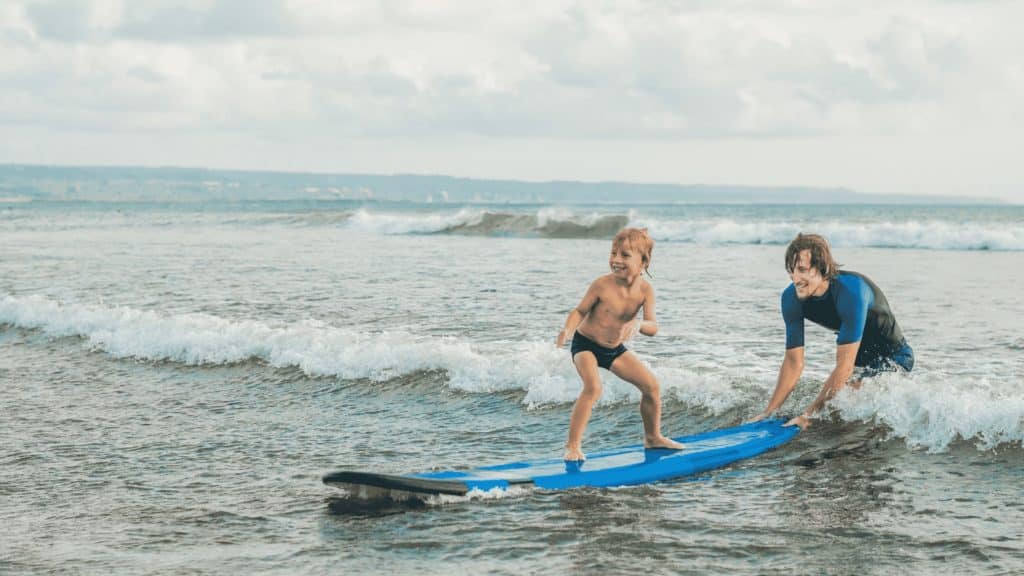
<point x="857" y="310"/>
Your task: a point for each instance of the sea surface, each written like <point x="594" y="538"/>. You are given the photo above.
<point x="176" y="377"/>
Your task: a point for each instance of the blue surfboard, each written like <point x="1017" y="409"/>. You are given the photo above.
<point x="618" y="467"/>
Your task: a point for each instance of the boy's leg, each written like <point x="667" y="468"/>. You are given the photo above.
<point x="632" y="370"/>
<point x="586" y="366"/>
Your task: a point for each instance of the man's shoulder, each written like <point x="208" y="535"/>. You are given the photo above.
<point x="789" y="293"/>
<point x="852" y="276"/>
<point x="854" y="293"/>
<point x="853" y="282"/>
<point x="790" y="304"/>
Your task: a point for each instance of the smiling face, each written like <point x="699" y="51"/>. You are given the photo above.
<point x="631" y="254"/>
<point x="807" y="279"/>
<point x="625" y="262"/>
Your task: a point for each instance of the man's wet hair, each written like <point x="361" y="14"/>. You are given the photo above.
<point x="821" y="254"/>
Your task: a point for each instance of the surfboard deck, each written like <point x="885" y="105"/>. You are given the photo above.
<point x="618" y="467"/>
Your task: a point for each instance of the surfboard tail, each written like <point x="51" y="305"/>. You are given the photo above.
<point x="371" y="486"/>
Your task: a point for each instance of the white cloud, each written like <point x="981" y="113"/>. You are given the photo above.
<point x="432" y="73"/>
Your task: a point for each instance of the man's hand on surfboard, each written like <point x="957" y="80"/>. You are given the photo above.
<point x="757" y="417"/>
<point x="803" y="421"/>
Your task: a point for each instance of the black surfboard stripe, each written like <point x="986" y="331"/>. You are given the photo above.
<point x="392" y="482"/>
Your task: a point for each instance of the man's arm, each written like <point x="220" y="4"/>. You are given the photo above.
<point x="846" y="354"/>
<point x="789" y="373"/>
<point x="852" y="304"/>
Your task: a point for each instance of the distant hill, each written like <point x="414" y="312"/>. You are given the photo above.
<point x="169" y="184"/>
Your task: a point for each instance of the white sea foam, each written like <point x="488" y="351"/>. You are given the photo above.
<point x="931" y="410"/>
<point x="412" y="222"/>
<point x="322" y="350"/>
<point x="554" y="214"/>
<point x="713" y="391"/>
<point x="478" y="494"/>
<point x="718" y="231"/>
<point x="930" y="234"/>
<point x="926" y="234"/>
<point x="314" y="347"/>
<point x="553" y="220"/>
<point x="928" y="410"/>
<point x="559" y="214"/>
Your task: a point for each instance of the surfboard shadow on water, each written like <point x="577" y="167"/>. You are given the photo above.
<point x="373" y="508"/>
<point x="837" y="441"/>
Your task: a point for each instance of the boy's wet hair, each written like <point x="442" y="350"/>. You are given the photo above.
<point x="821" y="254"/>
<point x="639" y="240"/>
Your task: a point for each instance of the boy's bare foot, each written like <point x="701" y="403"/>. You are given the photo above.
<point x="574" y="454"/>
<point x="664" y="442"/>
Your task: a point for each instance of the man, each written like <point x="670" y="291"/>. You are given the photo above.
<point x="869" y="339"/>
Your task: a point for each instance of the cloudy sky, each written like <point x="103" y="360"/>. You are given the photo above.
<point x="911" y="96"/>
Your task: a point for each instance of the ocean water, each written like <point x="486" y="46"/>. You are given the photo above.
<point x="176" y="377"/>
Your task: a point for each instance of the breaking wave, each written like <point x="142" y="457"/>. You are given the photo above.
<point x="546" y="223"/>
<point x="926" y="410"/>
<point x="920" y="234"/>
<point x="564" y="223"/>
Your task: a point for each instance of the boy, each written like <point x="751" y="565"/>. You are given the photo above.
<point x="600" y="323"/>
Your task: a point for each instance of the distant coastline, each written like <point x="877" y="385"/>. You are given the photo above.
<point x="27" y="182"/>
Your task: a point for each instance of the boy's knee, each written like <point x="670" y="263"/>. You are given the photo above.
<point x="652" y="389"/>
<point x="591" y="391"/>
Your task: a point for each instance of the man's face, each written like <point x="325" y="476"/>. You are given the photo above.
<point x="806" y="278"/>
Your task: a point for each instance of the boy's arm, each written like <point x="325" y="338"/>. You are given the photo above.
<point x="578" y="314"/>
<point x="574" y="319"/>
<point x="649" y="324"/>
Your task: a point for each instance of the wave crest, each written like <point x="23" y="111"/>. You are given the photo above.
<point x="546" y="223"/>
<point x="927" y="410"/>
<point x="558" y="222"/>
<point x="922" y="234"/>
<point x="934" y="412"/>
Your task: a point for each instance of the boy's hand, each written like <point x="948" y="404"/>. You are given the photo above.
<point x="630" y="329"/>
<point x="560" y="339"/>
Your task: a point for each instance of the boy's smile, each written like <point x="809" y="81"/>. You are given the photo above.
<point x="624" y="262"/>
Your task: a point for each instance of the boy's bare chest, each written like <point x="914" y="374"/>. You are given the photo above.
<point x="615" y="305"/>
